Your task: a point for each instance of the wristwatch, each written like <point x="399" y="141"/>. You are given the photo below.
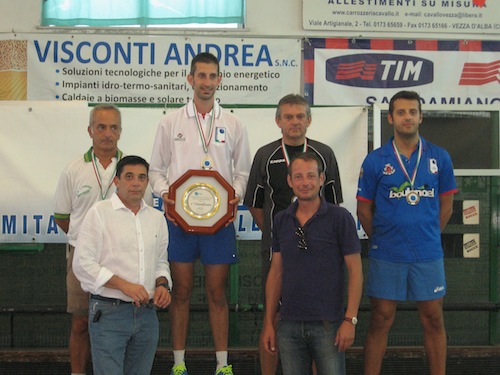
<point x="165" y="285"/>
<point x="353" y="320"/>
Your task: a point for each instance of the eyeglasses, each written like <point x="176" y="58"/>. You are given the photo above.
<point x="302" y="245"/>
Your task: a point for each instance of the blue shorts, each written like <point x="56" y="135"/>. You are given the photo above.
<point x="217" y="248"/>
<point x="406" y="281"/>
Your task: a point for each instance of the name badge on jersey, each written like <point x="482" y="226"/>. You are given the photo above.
<point x="433" y="166"/>
<point x="220" y="134"/>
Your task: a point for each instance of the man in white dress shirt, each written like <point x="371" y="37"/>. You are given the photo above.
<point x="121" y="259"/>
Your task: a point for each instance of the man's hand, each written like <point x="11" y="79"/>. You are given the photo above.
<point x="268" y="337"/>
<point x="137" y="292"/>
<point x="168" y="202"/>
<point x="162" y="297"/>
<point x="234" y="203"/>
<point x="345" y="336"/>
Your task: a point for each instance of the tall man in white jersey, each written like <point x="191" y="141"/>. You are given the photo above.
<point x="200" y="135"/>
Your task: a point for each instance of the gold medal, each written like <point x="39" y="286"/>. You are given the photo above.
<point x="207" y="163"/>
<point x="412" y="198"/>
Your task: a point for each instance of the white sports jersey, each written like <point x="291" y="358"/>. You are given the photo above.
<point x="82" y="183"/>
<point x="178" y="147"/>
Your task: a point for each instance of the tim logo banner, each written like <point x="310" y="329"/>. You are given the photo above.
<point x="367" y="71"/>
<point x="379" y="70"/>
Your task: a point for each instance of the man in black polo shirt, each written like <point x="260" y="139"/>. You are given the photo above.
<point x="268" y="192"/>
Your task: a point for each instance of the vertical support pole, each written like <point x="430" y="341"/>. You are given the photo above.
<point x="494" y="254"/>
<point x="234" y="326"/>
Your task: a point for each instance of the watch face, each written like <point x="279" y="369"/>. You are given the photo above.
<point x="354" y="320"/>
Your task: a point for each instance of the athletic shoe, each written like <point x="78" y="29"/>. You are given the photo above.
<point x="179" y="370"/>
<point x="226" y="370"/>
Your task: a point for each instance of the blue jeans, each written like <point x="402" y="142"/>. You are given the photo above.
<point x="300" y="343"/>
<point x="124" y="339"/>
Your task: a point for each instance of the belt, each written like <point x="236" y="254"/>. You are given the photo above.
<point x="118" y="301"/>
<point x="108" y="299"/>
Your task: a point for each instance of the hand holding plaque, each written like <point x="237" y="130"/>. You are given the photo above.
<point x="201" y="201"/>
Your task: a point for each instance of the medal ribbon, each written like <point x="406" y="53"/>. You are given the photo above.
<point x="98" y="177"/>
<point x="285" y="153"/>
<point x="401" y="164"/>
<point x="205" y="143"/>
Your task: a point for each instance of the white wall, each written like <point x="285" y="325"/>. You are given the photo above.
<point x="273" y="18"/>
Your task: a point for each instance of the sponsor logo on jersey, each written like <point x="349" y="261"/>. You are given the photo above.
<point x="220" y="134"/>
<point x="85" y="189"/>
<point x="180" y="137"/>
<point x="438" y="289"/>
<point x="433" y="166"/>
<point x="361" y="173"/>
<point x="388" y="169"/>
<point x="405" y="191"/>
<point x="411" y="194"/>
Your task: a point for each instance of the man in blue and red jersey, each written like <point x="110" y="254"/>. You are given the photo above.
<point x="405" y="199"/>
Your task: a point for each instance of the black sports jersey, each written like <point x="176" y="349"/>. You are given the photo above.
<point x="268" y="187"/>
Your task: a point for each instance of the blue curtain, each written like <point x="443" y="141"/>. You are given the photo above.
<point x="140" y="12"/>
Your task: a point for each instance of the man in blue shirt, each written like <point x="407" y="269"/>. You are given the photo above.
<point x="405" y="199"/>
<point x="268" y="191"/>
<point x="312" y="241"/>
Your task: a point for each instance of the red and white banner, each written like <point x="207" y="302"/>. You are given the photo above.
<point x="347" y="72"/>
